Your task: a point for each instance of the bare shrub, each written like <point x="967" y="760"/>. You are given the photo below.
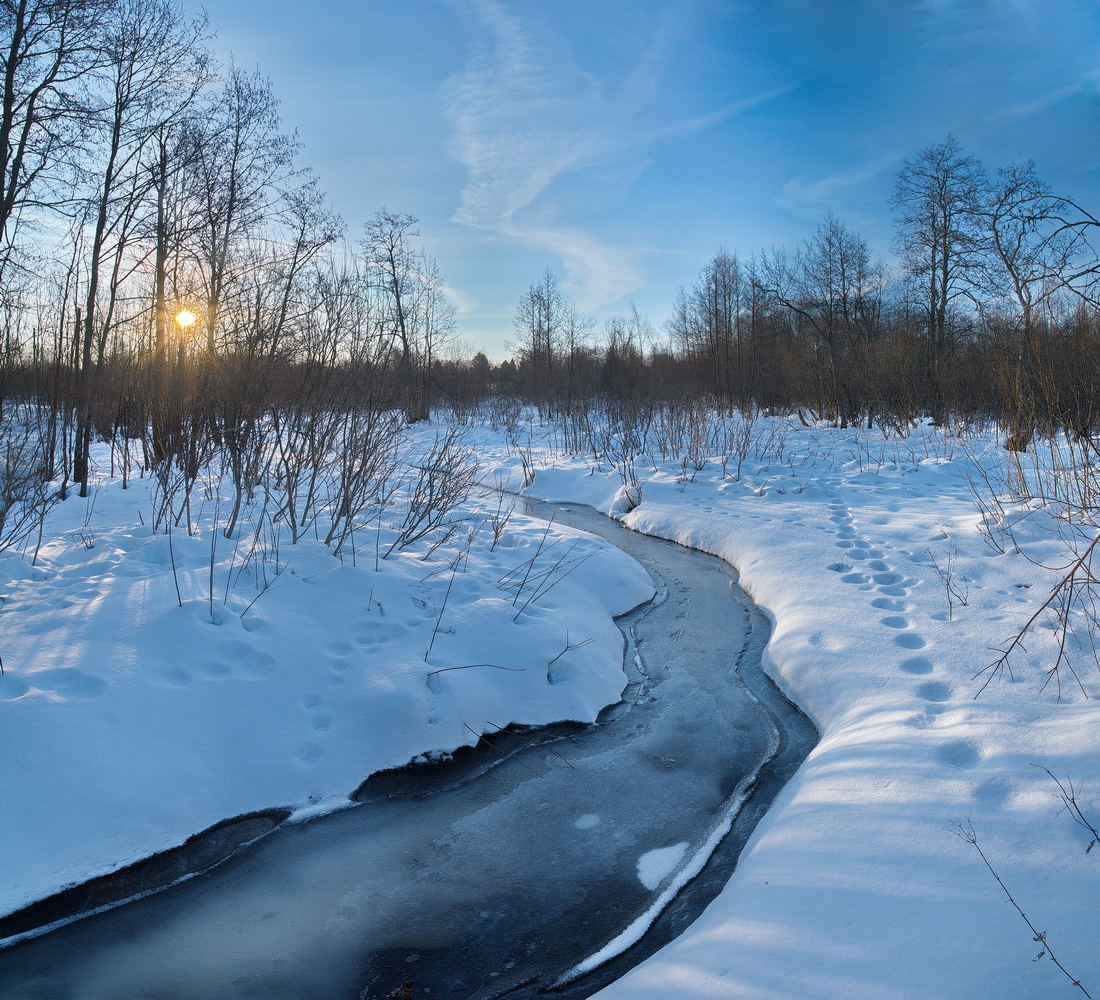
<point x="444" y="478"/>
<point x="1063" y="483"/>
<point x="25" y="494"/>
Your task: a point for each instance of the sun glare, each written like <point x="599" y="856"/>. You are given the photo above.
<point x="185" y="318"/>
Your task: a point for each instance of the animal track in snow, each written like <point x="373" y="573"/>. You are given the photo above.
<point x="69" y="683"/>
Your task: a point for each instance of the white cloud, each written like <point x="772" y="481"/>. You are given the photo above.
<point x="463" y="302"/>
<point x="1018" y="112"/>
<point x="814" y="197"/>
<point x="523" y="115"/>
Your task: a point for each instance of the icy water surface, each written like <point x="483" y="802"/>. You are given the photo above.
<point x="484" y="877"/>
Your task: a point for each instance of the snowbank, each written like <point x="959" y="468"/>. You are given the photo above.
<point x="854" y="886"/>
<point x="131" y="722"/>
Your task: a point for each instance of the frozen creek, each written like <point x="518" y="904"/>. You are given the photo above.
<point x="485" y="877"/>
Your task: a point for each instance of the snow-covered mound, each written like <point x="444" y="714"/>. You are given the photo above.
<point x="889" y="595"/>
<point x="134" y="716"/>
<point x="130" y="722"/>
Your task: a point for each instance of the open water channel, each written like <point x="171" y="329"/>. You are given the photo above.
<point x="549" y="859"/>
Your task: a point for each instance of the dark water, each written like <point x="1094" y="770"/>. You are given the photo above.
<point x="494" y="874"/>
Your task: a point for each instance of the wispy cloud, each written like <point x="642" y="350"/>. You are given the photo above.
<point x="462" y="301"/>
<point x="813" y="197"/>
<point x="1018" y="112"/>
<point x="524" y="115"/>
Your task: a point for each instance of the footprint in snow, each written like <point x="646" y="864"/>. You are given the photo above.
<point x="69" y="683"/>
<point x="214" y="669"/>
<point x="251" y="661"/>
<point x="960" y="753"/>
<point x="934" y="691"/>
<point x="916" y="665"/>
<point x="12" y="687"/>
<point x="309" y="753"/>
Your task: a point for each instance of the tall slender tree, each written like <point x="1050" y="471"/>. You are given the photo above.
<point x="938" y="199"/>
<point x="47" y="48"/>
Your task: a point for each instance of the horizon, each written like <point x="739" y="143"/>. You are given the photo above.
<point x="623" y="145"/>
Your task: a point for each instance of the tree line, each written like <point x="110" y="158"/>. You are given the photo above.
<point x="167" y="269"/>
<point x="991" y="313"/>
<point x="173" y="284"/>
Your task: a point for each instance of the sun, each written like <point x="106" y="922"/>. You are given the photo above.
<point x="185" y="318"/>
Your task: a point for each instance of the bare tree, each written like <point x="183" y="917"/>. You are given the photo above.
<point x="152" y="67"/>
<point x="414" y="311"/>
<point x="1033" y="257"/>
<point x="539" y="322"/>
<point x="49" y="46"/>
<point x="834" y="287"/>
<point x="241" y="175"/>
<point x="938" y="198"/>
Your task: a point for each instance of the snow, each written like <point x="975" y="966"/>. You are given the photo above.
<point x="655" y="866"/>
<point x="130" y="722"/>
<point x="854" y="884"/>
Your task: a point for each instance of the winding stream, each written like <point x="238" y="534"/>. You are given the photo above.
<point x="552" y="858"/>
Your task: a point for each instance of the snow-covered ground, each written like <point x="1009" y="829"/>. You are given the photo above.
<point x="130" y="722"/>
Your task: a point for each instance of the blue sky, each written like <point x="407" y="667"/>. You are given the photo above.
<point x="621" y="142"/>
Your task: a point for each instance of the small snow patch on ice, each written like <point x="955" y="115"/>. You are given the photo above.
<point x="587" y="821"/>
<point x="655" y="866"/>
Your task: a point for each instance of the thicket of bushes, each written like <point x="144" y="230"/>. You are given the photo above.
<point x="140" y="180"/>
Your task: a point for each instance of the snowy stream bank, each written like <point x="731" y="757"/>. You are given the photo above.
<point x="566" y="851"/>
